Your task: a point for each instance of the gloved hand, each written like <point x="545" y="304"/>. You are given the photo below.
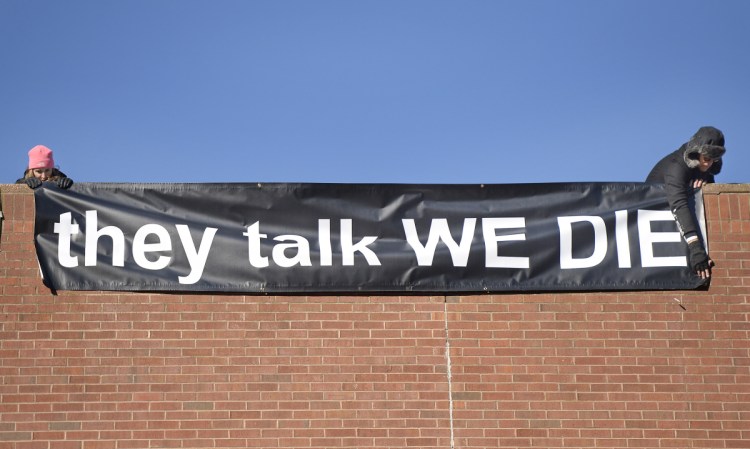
<point x="33" y="182"/>
<point x="64" y="183"/>
<point x="698" y="259"/>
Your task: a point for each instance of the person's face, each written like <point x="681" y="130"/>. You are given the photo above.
<point x="705" y="163"/>
<point x="42" y="174"/>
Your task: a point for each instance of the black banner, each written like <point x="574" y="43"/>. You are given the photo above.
<point x="316" y="238"/>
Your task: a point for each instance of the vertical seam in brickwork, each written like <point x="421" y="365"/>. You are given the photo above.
<point x="448" y="368"/>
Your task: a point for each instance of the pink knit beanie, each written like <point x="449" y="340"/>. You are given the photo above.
<point x="41" y="157"/>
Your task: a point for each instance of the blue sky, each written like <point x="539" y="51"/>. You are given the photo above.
<point x="364" y="91"/>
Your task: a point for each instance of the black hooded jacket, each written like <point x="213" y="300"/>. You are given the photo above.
<point x="679" y="169"/>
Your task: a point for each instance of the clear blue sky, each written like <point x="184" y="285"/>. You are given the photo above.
<point x="371" y="91"/>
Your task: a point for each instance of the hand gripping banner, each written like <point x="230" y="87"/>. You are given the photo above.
<point x="318" y="238"/>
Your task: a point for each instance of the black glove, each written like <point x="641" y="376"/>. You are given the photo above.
<point x="33" y="182"/>
<point x="698" y="259"/>
<point x="64" y="183"/>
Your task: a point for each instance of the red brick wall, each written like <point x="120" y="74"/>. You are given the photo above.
<point x="89" y="370"/>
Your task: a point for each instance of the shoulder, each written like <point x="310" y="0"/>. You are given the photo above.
<point x="670" y="165"/>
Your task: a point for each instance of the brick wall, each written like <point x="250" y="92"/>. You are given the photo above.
<point x="90" y="370"/>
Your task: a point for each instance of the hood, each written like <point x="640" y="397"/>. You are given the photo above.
<point x="708" y="141"/>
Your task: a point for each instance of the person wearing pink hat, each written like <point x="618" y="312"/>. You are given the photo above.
<point x="42" y="169"/>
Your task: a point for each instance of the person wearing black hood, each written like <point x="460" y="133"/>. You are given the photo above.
<point x="683" y="171"/>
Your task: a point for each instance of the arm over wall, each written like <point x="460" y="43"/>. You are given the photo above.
<point x="586" y="370"/>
